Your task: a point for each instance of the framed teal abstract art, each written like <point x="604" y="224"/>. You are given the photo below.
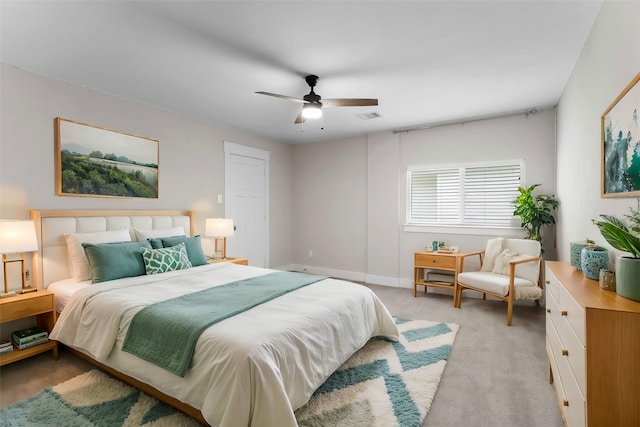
<point x="621" y="144"/>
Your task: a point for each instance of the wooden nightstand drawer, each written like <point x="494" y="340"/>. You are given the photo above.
<point x="19" y="307"/>
<point x="434" y="261"/>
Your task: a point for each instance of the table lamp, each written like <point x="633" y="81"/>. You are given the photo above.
<point x="17" y="237"/>
<point x="219" y="229"/>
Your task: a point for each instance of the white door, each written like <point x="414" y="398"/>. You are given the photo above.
<point x="247" y="201"/>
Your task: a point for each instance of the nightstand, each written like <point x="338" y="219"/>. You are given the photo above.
<point x="40" y="304"/>
<point x="241" y="261"/>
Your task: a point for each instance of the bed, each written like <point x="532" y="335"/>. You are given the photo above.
<point x="254" y="368"/>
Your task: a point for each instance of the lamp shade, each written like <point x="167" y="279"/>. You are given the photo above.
<point x="17" y="236"/>
<point x="218" y="227"/>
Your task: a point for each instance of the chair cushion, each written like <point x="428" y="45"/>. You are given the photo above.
<point x="492" y="282"/>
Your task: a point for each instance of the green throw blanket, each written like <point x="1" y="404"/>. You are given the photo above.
<point x="165" y="333"/>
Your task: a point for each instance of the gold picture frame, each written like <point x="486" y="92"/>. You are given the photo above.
<point x="620" y="148"/>
<point x="92" y="161"/>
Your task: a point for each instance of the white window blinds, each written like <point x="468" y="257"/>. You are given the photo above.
<point x="478" y="195"/>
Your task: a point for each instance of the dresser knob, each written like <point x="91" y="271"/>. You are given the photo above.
<point x="565" y="352"/>
<point x="548" y="310"/>
<point x="548" y="282"/>
<point x="565" y="403"/>
<point x="563" y="312"/>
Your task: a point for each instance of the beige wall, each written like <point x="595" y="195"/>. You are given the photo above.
<point x="608" y="62"/>
<point x="330" y="204"/>
<point x="191" y="154"/>
<point x="349" y="195"/>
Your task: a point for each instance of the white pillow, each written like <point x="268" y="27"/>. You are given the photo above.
<point x="501" y="265"/>
<point x="78" y="263"/>
<point x="160" y="232"/>
<point x="494" y="247"/>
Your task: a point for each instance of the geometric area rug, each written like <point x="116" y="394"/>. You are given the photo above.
<point x="384" y="384"/>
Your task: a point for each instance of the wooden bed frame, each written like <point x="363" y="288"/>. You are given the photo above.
<point x="37" y="264"/>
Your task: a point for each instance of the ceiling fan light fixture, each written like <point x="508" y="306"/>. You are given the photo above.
<point x="312" y="110"/>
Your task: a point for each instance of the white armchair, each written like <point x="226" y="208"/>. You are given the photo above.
<point x="510" y="269"/>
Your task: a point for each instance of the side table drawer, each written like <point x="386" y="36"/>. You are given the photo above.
<point x="435" y="261"/>
<point x="28" y="307"/>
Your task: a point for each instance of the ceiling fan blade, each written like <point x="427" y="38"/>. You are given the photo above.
<point x="290" y="98"/>
<point x="349" y="102"/>
<point x="299" y="119"/>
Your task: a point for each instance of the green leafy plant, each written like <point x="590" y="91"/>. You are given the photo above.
<point x="618" y="234"/>
<point x="534" y="211"/>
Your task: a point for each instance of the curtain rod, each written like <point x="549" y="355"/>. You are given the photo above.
<point x="468" y="120"/>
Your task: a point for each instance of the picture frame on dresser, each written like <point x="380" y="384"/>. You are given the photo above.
<point x="92" y="161"/>
<point x="620" y="134"/>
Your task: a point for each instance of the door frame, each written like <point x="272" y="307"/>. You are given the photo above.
<point x="231" y="148"/>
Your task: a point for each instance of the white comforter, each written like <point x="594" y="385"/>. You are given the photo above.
<point x="253" y="369"/>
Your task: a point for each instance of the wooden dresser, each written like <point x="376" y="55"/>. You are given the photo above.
<point x="593" y="346"/>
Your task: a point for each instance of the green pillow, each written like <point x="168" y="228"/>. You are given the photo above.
<point x="155" y="243"/>
<point x="193" y="245"/>
<point x="110" y="261"/>
<point x="165" y="259"/>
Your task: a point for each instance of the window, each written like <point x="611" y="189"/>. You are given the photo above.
<point x="471" y="195"/>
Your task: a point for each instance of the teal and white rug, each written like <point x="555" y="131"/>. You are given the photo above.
<point x="384" y="384"/>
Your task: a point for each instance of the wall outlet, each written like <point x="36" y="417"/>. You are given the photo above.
<point x="26" y="275"/>
<point x="310" y="253"/>
<point x="220" y="199"/>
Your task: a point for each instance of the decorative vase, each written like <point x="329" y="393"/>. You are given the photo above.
<point x="607" y="280"/>
<point x="576" y="251"/>
<point x="592" y="260"/>
<point x="628" y="277"/>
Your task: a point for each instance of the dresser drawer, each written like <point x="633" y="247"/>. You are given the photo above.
<point x="435" y="261"/>
<point x="574" y="352"/>
<point x="573" y="312"/>
<point x="553" y="351"/>
<point x="575" y="407"/>
<point x="551" y="284"/>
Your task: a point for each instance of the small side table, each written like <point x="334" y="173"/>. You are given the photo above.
<point x="40" y="304"/>
<point x="443" y="261"/>
<point x="240" y="261"/>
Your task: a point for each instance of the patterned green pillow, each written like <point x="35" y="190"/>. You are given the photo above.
<point x="165" y="259"/>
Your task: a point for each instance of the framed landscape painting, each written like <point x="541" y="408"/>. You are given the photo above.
<point x="97" y="162"/>
<point x="621" y="144"/>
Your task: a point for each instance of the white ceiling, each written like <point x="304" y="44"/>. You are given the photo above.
<point x="426" y="61"/>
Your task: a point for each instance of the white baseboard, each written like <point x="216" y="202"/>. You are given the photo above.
<point x="395" y="282"/>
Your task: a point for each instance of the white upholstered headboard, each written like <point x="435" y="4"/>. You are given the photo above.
<point x="50" y="261"/>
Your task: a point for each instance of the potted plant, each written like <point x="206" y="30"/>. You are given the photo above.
<point x="534" y="211"/>
<point x="626" y="239"/>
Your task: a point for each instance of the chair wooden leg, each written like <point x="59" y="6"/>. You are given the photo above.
<point x="457" y="296"/>
<point x="509" y="312"/>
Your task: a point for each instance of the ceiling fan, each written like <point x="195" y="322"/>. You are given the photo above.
<point x="313" y="103"/>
